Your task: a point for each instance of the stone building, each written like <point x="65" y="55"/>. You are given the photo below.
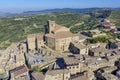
<point x="37" y="76"/>
<point x="11" y="58"/>
<point x="98" y="50"/>
<point x="110" y="77"/>
<point x="58" y="37"/>
<point x="107" y="24"/>
<point x="58" y="75"/>
<point x="78" y="48"/>
<point x="118" y="74"/>
<point x="20" y="73"/>
<point x="73" y="65"/>
<point x="22" y="48"/>
<point x="39" y="61"/>
<point x="113" y="44"/>
<point x="93" y="33"/>
<point x="35" y="41"/>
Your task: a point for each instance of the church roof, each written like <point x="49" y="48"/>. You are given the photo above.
<point x="59" y="35"/>
<point x="57" y="27"/>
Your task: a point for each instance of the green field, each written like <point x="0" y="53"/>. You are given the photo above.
<point x="14" y="29"/>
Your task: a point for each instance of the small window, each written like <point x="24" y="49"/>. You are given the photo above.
<point x="77" y="67"/>
<point x="69" y="67"/>
<point x="66" y="77"/>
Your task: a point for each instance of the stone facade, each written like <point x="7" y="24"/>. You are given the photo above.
<point x="58" y="37"/>
<point x="58" y="75"/>
<point x="35" y="41"/>
<point x="11" y="58"/>
<point x="73" y="65"/>
<point x="20" y="72"/>
<point x="78" y="48"/>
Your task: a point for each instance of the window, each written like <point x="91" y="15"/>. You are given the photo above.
<point x="52" y="25"/>
<point x="86" y="50"/>
<point x="66" y="77"/>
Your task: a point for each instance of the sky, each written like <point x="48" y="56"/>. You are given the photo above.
<point x="26" y="5"/>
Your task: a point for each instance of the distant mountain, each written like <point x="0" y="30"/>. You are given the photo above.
<point x="4" y="14"/>
<point x="64" y="9"/>
<point x="79" y="10"/>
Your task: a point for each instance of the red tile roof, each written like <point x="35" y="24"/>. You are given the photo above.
<point x="20" y="70"/>
<point x="106" y="24"/>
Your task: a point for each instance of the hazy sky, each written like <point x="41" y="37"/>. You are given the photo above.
<point x="24" y="5"/>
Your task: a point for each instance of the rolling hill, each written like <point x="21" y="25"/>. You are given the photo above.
<point x="16" y="28"/>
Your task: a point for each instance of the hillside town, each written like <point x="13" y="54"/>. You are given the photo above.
<point x="58" y="54"/>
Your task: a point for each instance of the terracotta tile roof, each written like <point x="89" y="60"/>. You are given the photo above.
<point x="106" y="24"/>
<point x="19" y="70"/>
<point x="38" y="75"/>
<point x="100" y="48"/>
<point x="79" y="45"/>
<point x="80" y="78"/>
<point x="71" y="60"/>
<point x="59" y="35"/>
<point x="57" y="27"/>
